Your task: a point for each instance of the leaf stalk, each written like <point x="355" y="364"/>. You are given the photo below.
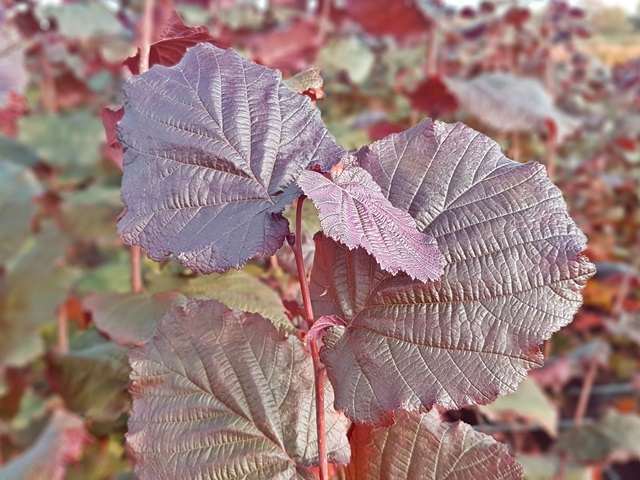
<point x="318" y="368"/>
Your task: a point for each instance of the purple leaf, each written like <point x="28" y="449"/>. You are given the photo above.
<point x="212" y="148"/>
<point x="353" y="211"/>
<point x="423" y="446"/>
<point x="217" y="392"/>
<point x="321" y="325"/>
<point x="513" y="275"/>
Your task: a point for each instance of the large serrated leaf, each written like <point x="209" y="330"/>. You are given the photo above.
<point x="513" y="275"/>
<point x="353" y="211"/>
<point x="423" y="447"/>
<point x="219" y="393"/>
<point x="212" y="149"/>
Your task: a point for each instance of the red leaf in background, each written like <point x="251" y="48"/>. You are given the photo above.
<point x="401" y="19"/>
<point x="625" y="143"/>
<point x="110" y="119"/>
<point x="381" y="130"/>
<point x="70" y="91"/>
<point x="517" y="16"/>
<point x="433" y="98"/>
<point x="176" y="37"/>
<point x="289" y="49"/>
<point x="9" y="115"/>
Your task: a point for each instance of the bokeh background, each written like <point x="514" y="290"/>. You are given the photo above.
<point x="550" y="81"/>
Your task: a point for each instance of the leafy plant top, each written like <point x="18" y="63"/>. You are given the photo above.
<point x="441" y="267"/>
<point x="212" y="148"/>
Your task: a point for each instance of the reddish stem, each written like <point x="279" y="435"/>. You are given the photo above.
<point x="552" y="144"/>
<point x="63" y="329"/>
<point x="432" y="52"/>
<point x="145" y="44"/>
<point x="145" y="41"/>
<point x="136" y="271"/>
<point x="47" y="82"/>
<point x="581" y="409"/>
<point x="318" y="368"/>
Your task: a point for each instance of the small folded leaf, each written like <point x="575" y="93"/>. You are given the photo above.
<point x="219" y="394"/>
<point x="353" y="211"/>
<point x="307" y="82"/>
<point x="422" y="446"/>
<point x="321" y="325"/>
<point x="513" y="276"/>
<point x="59" y="444"/>
<point x="212" y="149"/>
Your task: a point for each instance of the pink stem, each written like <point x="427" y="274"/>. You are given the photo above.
<point x="318" y="368"/>
<point x="145" y="45"/>
<point x="63" y="329"/>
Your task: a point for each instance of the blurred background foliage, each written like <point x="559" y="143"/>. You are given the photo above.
<point x="551" y="81"/>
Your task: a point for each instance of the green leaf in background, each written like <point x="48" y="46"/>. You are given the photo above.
<point x="112" y="276"/>
<point x="528" y="402"/>
<point x="238" y="289"/>
<point x="18" y="186"/>
<point x="348" y="54"/>
<point x="82" y="21"/>
<point x="91" y="214"/>
<point x="58" y="445"/>
<point x="30" y="291"/>
<point x="101" y="461"/>
<point x="64" y="140"/>
<point x="615" y="437"/>
<point x="127" y="318"/>
<point x="538" y="467"/>
<point x="16" y="152"/>
<point x="92" y="378"/>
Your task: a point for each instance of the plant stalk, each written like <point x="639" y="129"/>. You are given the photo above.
<point x="581" y="409"/>
<point x="63" y="328"/>
<point x="145" y="45"/>
<point x="318" y="369"/>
